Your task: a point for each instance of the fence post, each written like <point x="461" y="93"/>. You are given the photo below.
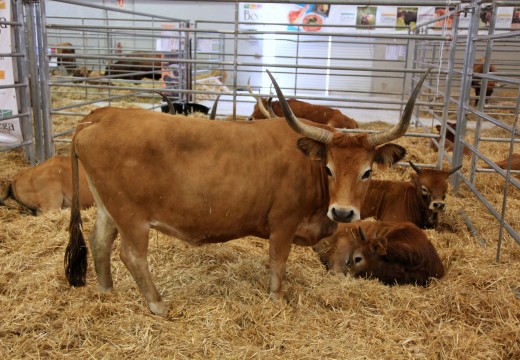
<point x="39" y="74"/>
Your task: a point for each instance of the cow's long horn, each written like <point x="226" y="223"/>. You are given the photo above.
<point x="171" y="109"/>
<point x="259" y="102"/>
<point x="417" y="170"/>
<point x="312" y="132"/>
<point x="213" y="112"/>
<point x="400" y="128"/>
<point x="455" y="169"/>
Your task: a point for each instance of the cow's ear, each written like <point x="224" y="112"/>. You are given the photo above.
<point x="379" y="246"/>
<point x="313" y="149"/>
<point x="389" y="154"/>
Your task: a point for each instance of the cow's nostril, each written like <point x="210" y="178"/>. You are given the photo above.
<point x="342" y="215"/>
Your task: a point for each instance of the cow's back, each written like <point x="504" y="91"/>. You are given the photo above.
<point x="389" y="200"/>
<point x="318" y="114"/>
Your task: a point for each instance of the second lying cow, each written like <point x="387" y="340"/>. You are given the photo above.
<point x="393" y="253"/>
<point x="419" y="200"/>
<point x="47" y="186"/>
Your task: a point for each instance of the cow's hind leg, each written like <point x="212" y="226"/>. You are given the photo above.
<point x="134" y="249"/>
<point x="101" y="241"/>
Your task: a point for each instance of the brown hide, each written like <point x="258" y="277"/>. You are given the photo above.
<point x="137" y="69"/>
<point x="69" y="63"/>
<point x="48" y="186"/>
<point x="394" y="253"/>
<point x="418" y="201"/>
<point x="319" y="114"/>
<point x="476" y="83"/>
<point x="203" y="181"/>
<point x="210" y="181"/>
<point x="450" y="138"/>
<point x="515" y="163"/>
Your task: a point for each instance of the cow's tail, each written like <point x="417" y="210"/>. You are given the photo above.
<point x="76" y="251"/>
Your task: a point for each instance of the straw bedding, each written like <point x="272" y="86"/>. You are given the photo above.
<point x="219" y="305"/>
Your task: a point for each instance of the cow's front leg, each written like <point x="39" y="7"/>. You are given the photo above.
<point x="279" y="249"/>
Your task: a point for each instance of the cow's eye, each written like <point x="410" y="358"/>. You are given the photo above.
<point x="329" y="171"/>
<point x="425" y="190"/>
<point x="357" y="259"/>
<point x="366" y="174"/>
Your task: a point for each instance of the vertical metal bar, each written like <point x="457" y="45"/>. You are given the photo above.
<point x="508" y="176"/>
<point x="24" y="94"/>
<point x="467" y="72"/>
<point x="482" y="97"/>
<point x="235" y="62"/>
<point x="44" y="80"/>
<point x="447" y="93"/>
<point x="34" y="66"/>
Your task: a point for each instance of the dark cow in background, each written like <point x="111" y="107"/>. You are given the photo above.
<point x="319" y="114"/>
<point x="418" y="201"/>
<point x="69" y="63"/>
<point x="286" y="180"/>
<point x="186" y="108"/>
<point x="47" y="186"/>
<point x="393" y="253"/>
<point x="131" y="69"/>
<point x="476" y="83"/>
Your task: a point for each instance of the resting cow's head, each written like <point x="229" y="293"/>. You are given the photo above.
<point x="366" y="255"/>
<point x="432" y="185"/>
<point x="348" y="159"/>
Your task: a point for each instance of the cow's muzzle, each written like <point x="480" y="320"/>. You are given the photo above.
<point x="343" y="214"/>
<point x="437" y="205"/>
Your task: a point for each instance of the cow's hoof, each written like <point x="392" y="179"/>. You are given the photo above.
<point x="158" y="308"/>
<point x="276" y="296"/>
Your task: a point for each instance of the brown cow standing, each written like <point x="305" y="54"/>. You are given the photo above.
<point x="476" y="83"/>
<point x="203" y="181"/>
<point x="418" y="201"/>
<point x="47" y="186"/>
<point x="394" y="253"/>
<point x="319" y="114"/>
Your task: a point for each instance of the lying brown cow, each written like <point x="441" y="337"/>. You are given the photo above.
<point x="450" y="139"/>
<point x="149" y="67"/>
<point x="47" y="186"/>
<point x="394" y="253"/>
<point x="202" y="181"/>
<point x="515" y="163"/>
<point x="418" y="201"/>
<point x="317" y="113"/>
<point x="476" y="83"/>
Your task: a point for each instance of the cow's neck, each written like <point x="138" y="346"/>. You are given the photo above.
<point x="418" y="211"/>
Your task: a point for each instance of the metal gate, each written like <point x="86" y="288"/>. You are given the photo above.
<point x="205" y="58"/>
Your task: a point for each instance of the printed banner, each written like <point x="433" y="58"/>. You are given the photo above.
<point x="10" y="131"/>
<point x="304" y="17"/>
